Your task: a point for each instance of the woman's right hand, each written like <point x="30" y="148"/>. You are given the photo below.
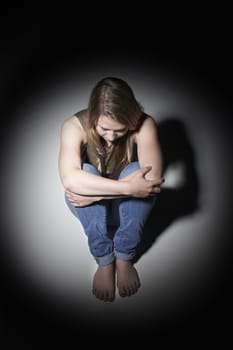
<point x="141" y="187"/>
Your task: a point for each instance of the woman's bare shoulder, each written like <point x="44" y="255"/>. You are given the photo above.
<point x="72" y="121"/>
<point x="72" y="125"/>
<point x="149" y="121"/>
<point x="148" y="127"/>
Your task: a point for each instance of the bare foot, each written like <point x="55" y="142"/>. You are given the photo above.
<point x="104" y="282"/>
<point x="127" y="278"/>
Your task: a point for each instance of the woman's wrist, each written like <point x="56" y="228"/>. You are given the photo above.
<point x="125" y="187"/>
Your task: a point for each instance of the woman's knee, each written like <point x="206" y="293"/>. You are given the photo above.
<point x="129" y="168"/>
<point x="90" y="168"/>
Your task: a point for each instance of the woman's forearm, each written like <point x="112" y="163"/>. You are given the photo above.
<point x="87" y="184"/>
<point x="84" y="183"/>
<point x="81" y="201"/>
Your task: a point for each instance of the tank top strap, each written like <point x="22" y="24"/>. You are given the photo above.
<point x="82" y="117"/>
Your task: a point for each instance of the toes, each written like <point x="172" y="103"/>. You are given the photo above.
<point x="127" y="291"/>
<point x="103" y="296"/>
<point x="123" y="293"/>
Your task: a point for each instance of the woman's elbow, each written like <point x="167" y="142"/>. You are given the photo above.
<point x="69" y="184"/>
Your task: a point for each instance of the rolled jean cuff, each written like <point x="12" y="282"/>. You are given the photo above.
<point x="124" y="256"/>
<point x="105" y="260"/>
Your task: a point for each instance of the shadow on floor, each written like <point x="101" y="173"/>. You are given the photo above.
<point x="172" y="203"/>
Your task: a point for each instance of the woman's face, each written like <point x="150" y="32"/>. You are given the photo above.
<point x="109" y="129"/>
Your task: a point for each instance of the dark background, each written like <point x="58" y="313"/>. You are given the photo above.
<point x="38" y="42"/>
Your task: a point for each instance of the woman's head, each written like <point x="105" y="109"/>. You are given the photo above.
<point x="113" y="116"/>
<point x="110" y="129"/>
<point x="113" y="98"/>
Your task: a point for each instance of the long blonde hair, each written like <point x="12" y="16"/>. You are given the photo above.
<point x="113" y="97"/>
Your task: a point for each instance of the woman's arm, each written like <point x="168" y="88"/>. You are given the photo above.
<point x="83" y="183"/>
<point x="149" y="151"/>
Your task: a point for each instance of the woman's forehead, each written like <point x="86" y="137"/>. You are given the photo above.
<point x="108" y="122"/>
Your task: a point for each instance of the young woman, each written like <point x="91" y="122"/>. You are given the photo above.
<point x="110" y="165"/>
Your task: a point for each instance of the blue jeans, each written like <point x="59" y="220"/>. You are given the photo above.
<point x="126" y="215"/>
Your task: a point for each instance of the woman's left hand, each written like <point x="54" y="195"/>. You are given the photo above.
<point x="81" y="201"/>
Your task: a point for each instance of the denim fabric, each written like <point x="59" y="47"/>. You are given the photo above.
<point x="114" y="226"/>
